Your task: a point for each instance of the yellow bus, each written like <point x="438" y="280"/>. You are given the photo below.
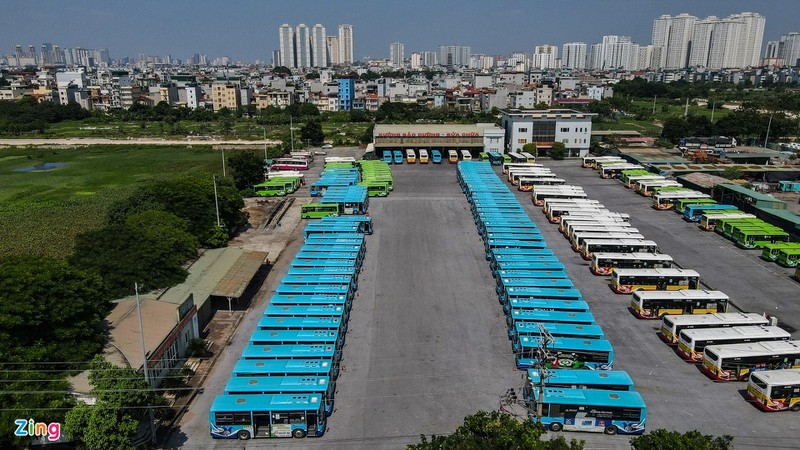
<point x="625" y="281"/>
<point x="737" y="361"/>
<point x="775" y="390"/>
<point x="452" y="156"/>
<point x="655" y="304"/>
<point x="411" y="157"/>
<point x="423" y="156"/>
<point x="692" y="342"/>
<point x="466" y="155"/>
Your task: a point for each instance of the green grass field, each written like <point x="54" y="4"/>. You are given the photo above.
<point x="629" y="124"/>
<point x="41" y="212"/>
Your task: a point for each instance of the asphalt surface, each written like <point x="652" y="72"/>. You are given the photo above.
<point x="426" y="343"/>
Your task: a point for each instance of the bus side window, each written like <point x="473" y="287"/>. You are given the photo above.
<point x="280" y="419"/>
<point x="296" y="418"/>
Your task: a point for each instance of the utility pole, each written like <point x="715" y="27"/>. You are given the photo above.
<point x="654" y="104"/>
<point x="216" y="200"/>
<point x="713" y="108"/>
<point x="144" y="362"/>
<point x="686" y="108"/>
<point x="223" y="161"/>
<point x="265" y="145"/>
<point x="541" y="362"/>
<point x="291" y="133"/>
<point x="766" y="139"/>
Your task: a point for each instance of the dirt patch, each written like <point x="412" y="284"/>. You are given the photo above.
<point x="259" y="209"/>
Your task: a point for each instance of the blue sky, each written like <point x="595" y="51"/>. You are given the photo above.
<point x="248" y="29"/>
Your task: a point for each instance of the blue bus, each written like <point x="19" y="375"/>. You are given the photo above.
<point x="364" y="222"/>
<point x="537" y="315"/>
<point x="268" y="322"/>
<point x="542" y="263"/>
<point x="292" y="337"/>
<point x="495" y="158"/>
<point x="549" y="304"/>
<point x="267" y="416"/>
<point x="532" y="273"/>
<point x="316" y="271"/>
<point x="397" y="156"/>
<point x="610" y="380"/>
<point x="337" y="311"/>
<point x="492" y="244"/>
<point x="329" y="230"/>
<point x="537" y="293"/>
<point x="321" y="254"/>
<point x="566" y="353"/>
<point x="316" y="385"/>
<point x="506" y="285"/>
<point x="310" y="280"/>
<point x="332" y="300"/>
<point x="595" y="410"/>
<point x="693" y="213"/>
<point x="326" y="262"/>
<point x="387" y="156"/>
<point x="283" y="368"/>
<point x="436" y="156"/>
<point x="556" y="329"/>
<point x="334" y="239"/>
<point x="329" y="245"/>
<point x="294" y="351"/>
<point x="325" y="289"/>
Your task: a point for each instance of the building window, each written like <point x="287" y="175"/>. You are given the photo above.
<point x="522" y="130"/>
<point x="522" y="141"/>
<point x="564" y="129"/>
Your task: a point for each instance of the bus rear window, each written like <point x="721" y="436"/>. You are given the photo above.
<point x="758" y="381"/>
<point x="711" y="355"/>
<point x="667" y="322"/>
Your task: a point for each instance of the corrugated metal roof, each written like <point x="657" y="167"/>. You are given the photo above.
<point x="757" y="196"/>
<point x="239" y="275"/>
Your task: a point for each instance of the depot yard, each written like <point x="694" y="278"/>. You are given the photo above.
<point x="427" y="342"/>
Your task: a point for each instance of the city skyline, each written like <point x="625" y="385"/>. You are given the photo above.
<point x="252" y="36"/>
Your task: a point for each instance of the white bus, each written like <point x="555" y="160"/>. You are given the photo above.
<point x="339" y="159"/>
<point x="411" y="157"/>
<point x="645" y="187"/>
<point x="692" y="342"/>
<point x="580" y="230"/>
<point x="591" y="246"/>
<point x="612" y="170"/>
<point x="423" y="156"/>
<point x="289" y="164"/>
<point x="530" y="158"/>
<point x="590" y="218"/>
<point x="557" y="212"/>
<point x="591" y="160"/>
<point x="672" y="325"/>
<point x="604" y="263"/>
<point x="526" y="183"/>
<point x="708" y="222"/>
<point x="466" y="155"/>
<point x="514" y="175"/>
<point x="578" y="238"/>
<point x="737" y="361"/>
<point x="775" y="390"/>
<point x="539" y="195"/>
<point x="625" y="281"/>
<point x="667" y="200"/>
<point x="510" y="165"/>
<point x="631" y="181"/>
<point x="309" y="156"/>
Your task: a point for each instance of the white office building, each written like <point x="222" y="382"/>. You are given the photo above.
<point x="544" y="127"/>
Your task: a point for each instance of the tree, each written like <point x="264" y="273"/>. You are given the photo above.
<point x="558" y="151"/>
<point x="541" y="105"/>
<point x="247" y="168"/>
<point x="122" y="397"/>
<point x="732" y="173"/>
<point x="494" y="430"/>
<point x="312" y="132"/>
<point x="674" y="129"/>
<point x="530" y="147"/>
<point x="662" y="439"/>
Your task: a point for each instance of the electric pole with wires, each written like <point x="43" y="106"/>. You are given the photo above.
<point x="542" y="358"/>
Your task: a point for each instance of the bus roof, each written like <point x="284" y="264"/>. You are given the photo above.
<point x="721" y="318"/>
<point x="295" y="336"/>
<point x="548" y="304"/>
<point x="753" y="349"/>
<point x="282" y="385"/>
<point x="591" y="397"/>
<point x="643" y="256"/>
<point x="266" y="402"/>
<point x="298" y="366"/>
<point x="282" y="351"/>
<point x="783" y="376"/>
<point x="582" y="376"/>
<point x="537" y="315"/>
<point x="295" y="322"/>
<point x="656" y="272"/>
<point x="559" y="342"/>
<point x="738" y="332"/>
<point x="559" y="329"/>
<point x="305" y="310"/>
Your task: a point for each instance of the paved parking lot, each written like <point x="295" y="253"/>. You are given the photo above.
<point x="426" y="344"/>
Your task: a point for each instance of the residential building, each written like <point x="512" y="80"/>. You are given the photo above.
<point x="397" y="54"/>
<point x="544" y="56"/>
<point x="226" y="94"/>
<point x="287" y="48"/>
<point x="701" y="41"/>
<point x="302" y="45"/>
<point x="573" y="55"/>
<point x="346" y="54"/>
<point x="615" y="52"/>
<point x="273" y="97"/>
<point x="346" y="93"/>
<point x="416" y="60"/>
<point x="789" y="49"/>
<point x="454" y="55"/>
<point x="544" y="127"/>
<point x="332" y="47"/>
<point x="193" y="95"/>
<point x="319" y="46"/>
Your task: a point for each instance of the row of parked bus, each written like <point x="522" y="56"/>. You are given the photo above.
<point x="345" y="188"/>
<point x="553" y="334"/>
<point x="284" y="384"/>
<point x="729" y="346"/>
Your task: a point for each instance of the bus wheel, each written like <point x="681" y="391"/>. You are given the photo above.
<point x="556" y="426"/>
<point x="795" y="407"/>
<point x="243" y="435"/>
<point x="298" y="434"/>
<point x="611" y="429"/>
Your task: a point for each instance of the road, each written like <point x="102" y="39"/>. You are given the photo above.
<point x="426" y="344"/>
<point x="131" y="141"/>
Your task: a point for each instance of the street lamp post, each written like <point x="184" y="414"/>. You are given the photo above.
<point x="144" y="362"/>
<point x="766" y="139"/>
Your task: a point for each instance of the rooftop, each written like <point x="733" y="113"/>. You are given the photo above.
<point x="547" y="113"/>
<point x="756" y="196"/>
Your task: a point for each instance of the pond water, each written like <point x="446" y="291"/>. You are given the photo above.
<point x="42" y="167"/>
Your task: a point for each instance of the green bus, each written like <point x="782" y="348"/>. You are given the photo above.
<point x="319" y="210"/>
<point x="789" y="257"/>
<point x="483" y="156"/>
<point x="682" y="203"/>
<point x="756" y="238"/>
<point x="277" y="187"/>
<point x="770" y="251"/>
<point x="376" y="188"/>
